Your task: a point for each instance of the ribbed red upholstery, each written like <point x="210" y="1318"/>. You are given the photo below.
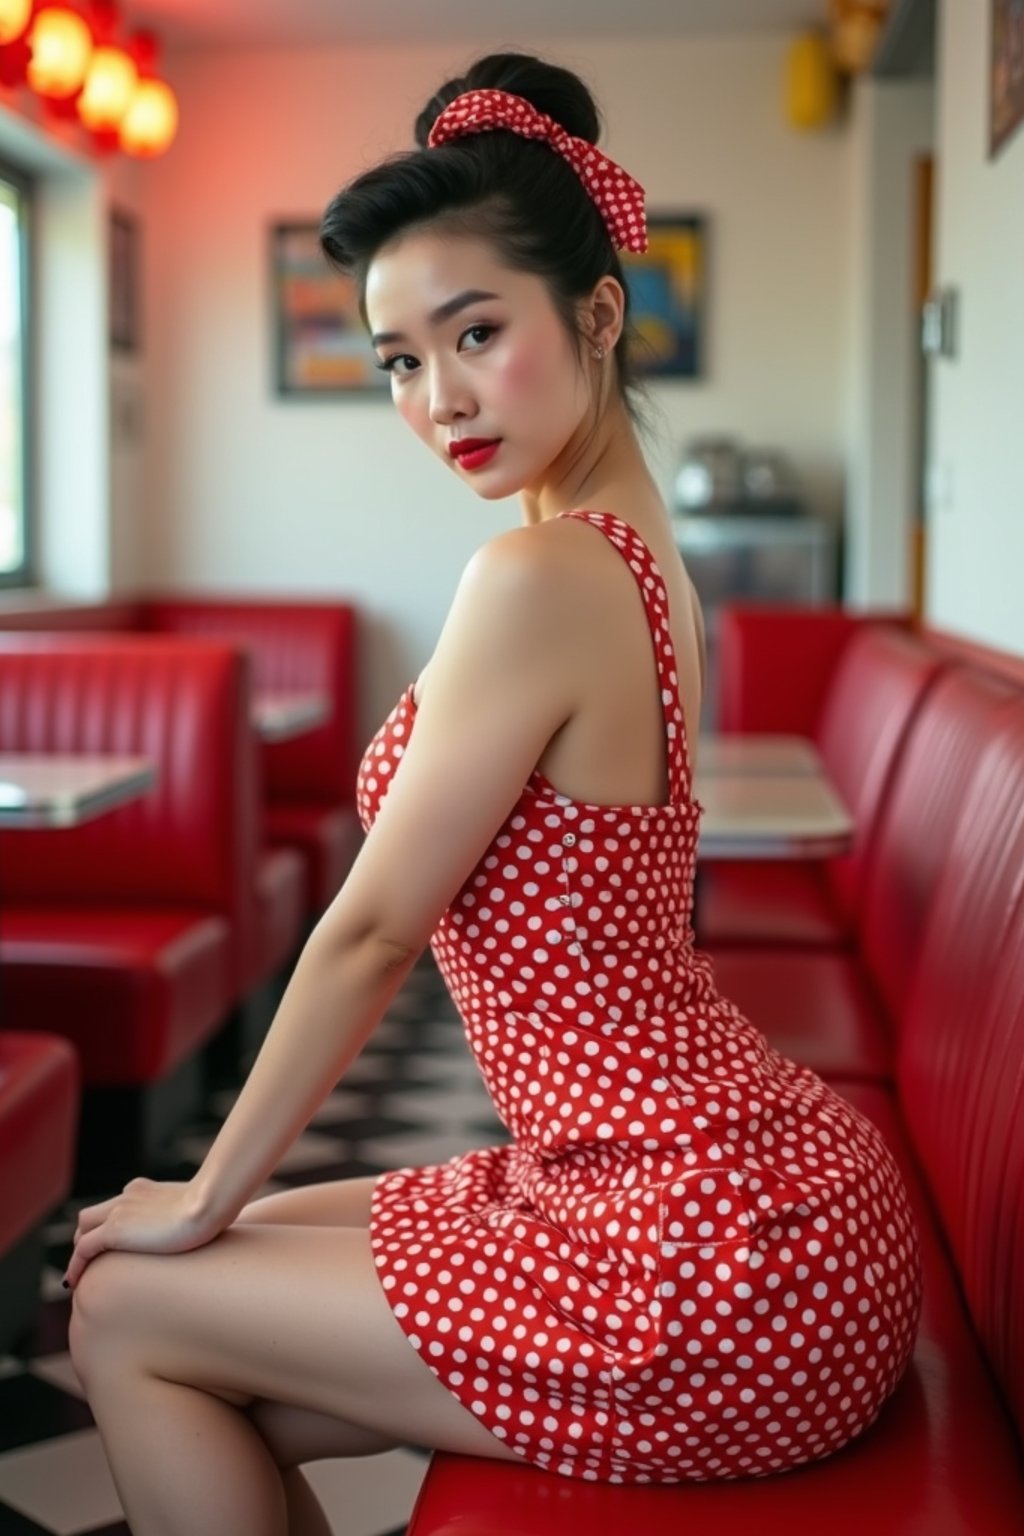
<point x="878" y="686"/>
<point x="923" y="805"/>
<point x="308" y="783"/>
<point x="40" y="1096"/>
<point x="874" y="690"/>
<point x="775" y="664"/>
<point x="294" y="646"/>
<point x="185" y="850"/>
<point x="182" y="707"/>
<point x="961" y="1055"/>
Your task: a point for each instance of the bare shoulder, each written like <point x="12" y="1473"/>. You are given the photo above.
<point x="519" y="592"/>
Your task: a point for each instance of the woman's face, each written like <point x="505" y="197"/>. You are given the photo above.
<point x="475" y="351"/>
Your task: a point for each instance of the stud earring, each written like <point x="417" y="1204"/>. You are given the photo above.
<point x="598" y="351"/>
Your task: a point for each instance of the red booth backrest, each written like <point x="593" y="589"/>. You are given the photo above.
<point x="879" y="684"/>
<point x="918" y="819"/>
<point x="774" y="665"/>
<point x="193" y="839"/>
<point x="775" y="662"/>
<point x="293" y="646"/>
<point x="961" y="1052"/>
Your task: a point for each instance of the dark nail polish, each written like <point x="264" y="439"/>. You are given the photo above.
<point x="65" y="1284"/>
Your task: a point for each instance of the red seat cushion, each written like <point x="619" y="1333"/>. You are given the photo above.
<point x="819" y="1009"/>
<point x="940" y="1460"/>
<point x="329" y="837"/>
<point x="767" y="901"/>
<point x="40" y="1097"/>
<point x="136" y="990"/>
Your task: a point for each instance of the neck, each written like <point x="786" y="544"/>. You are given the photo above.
<point x="603" y="469"/>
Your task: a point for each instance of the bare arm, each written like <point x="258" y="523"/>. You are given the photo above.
<point x="496" y="697"/>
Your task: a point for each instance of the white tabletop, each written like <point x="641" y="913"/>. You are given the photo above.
<point x="280" y="715"/>
<point x="756" y="753"/>
<point x="63" y="790"/>
<point x="758" y="816"/>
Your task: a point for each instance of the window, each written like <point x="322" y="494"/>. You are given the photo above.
<point x="15" y="477"/>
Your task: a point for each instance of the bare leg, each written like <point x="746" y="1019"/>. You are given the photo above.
<point x="305" y="1512"/>
<point x="175" y="1350"/>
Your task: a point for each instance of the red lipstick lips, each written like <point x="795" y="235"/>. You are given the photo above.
<point x="474" y="452"/>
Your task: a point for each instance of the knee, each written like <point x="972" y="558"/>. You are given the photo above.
<point x="100" y="1306"/>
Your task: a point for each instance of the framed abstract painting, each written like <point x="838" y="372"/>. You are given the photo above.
<point x="320" y="346"/>
<point x="668" y="296"/>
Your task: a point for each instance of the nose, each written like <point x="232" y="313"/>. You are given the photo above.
<point x="450" y="399"/>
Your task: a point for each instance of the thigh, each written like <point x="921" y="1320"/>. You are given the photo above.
<point x="290" y="1314"/>
<point x="339" y="1203"/>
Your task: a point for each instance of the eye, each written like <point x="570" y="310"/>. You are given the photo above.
<point x="487" y="329"/>
<point x="387" y="364"/>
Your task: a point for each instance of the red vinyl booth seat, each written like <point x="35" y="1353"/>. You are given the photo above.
<point x="838" y="1012"/>
<point x="40" y="1104"/>
<point x="860" y="719"/>
<point x="309" y="781"/>
<point x="944" y="1457"/>
<point x="128" y="934"/>
<point x="40" y="1089"/>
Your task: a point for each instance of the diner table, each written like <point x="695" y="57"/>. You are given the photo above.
<point x="54" y="789"/>
<point x="767" y="797"/>
<point x="280" y="715"/>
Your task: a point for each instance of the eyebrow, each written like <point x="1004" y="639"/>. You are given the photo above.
<point x="438" y="316"/>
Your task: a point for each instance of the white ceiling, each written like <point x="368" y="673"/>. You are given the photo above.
<point x="299" y="23"/>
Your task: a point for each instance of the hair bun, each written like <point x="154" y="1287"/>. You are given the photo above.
<point x="548" y="87"/>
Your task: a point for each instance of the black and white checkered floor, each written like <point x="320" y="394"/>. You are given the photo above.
<point x="413" y="1096"/>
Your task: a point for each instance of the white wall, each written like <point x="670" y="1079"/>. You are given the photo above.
<point x="248" y="491"/>
<point x="976" y="513"/>
<point x="891" y="125"/>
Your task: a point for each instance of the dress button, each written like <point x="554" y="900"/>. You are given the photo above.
<point x="565" y="900"/>
<point x="569" y="839"/>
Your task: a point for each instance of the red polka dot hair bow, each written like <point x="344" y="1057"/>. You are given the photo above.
<point x="619" y="198"/>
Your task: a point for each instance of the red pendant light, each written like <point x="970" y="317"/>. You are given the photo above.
<point x="110" y="84"/>
<point x="61" y="44"/>
<point x="151" y="121"/>
<point x="14" y="15"/>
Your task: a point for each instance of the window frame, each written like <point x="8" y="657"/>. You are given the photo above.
<point x="26" y="574"/>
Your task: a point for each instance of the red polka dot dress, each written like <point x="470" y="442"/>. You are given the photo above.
<point x="694" y="1260"/>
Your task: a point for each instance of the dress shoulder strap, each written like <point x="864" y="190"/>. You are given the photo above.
<point x="654" y="592"/>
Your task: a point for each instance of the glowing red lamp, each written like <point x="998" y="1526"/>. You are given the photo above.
<point x="151" y="121"/>
<point x="109" y="88"/>
<point x="14" y="15"/>
<point x="61" y="44"/>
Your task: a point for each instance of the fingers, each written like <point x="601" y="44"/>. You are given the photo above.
<point x="85" y="1250"/>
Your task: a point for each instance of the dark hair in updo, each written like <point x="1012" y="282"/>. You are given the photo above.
<point x="518" y="193"/>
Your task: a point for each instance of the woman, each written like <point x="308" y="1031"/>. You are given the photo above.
<point x="693" y="1260"/>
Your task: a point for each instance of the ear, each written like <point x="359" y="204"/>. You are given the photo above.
<point x="605" y="311"/>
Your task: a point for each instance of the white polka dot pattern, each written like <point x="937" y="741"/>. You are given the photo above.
<point x="617" y="194"/>
<point x="694" y="1260"/>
